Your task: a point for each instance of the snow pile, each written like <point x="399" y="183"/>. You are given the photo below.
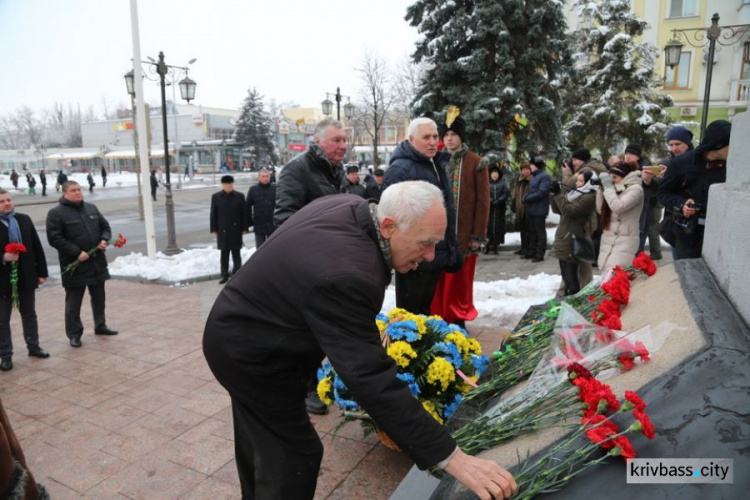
<point x="186" y="266"/>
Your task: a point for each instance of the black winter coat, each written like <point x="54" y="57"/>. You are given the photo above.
<point x="537" y="197"/>
<point x="304" y="179"/>
<point x="73" y="228"/>
<point x="228" y="219"/>
<point x="288" y="307"/>
<point x="260" y="202"/>
<point x="373" y="191"/>
<point x="499" y="194"/>
<point x="408" y="164"/>
<point x="349" y="188"/>
<point x="31" y="265"/>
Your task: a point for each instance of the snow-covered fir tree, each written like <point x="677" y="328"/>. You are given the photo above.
<point x="255" y="130"/>
<point x="614" y="97"/>
<point x="494" y="59"/>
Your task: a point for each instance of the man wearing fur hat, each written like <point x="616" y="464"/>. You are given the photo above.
<point x="351" y="184"/>
<point x="469" y="178"/>
<point x="228" y="223"/>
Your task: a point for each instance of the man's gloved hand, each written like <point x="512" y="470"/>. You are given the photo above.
<point x="555" y="188"/>
<point x="606" y="180"/>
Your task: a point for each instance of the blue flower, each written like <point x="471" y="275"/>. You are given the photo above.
<point x="451" y="408"/>
<point x="338" y="384"/>
<point x="451" y="352"/>
<point x="324" y="371"/>
<point x="409" y="379"/>
<point x="347" y="404"/>
<point x="480" y="363"/>
<point x="438" y="326"/>
<point x="403" y="330"/>
<point x="382" y="317"/>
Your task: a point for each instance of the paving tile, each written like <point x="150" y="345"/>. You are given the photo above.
<point x="209" y="427"/>
<point x="112" y="414"/>
<point x="171" y="420"/>
<point x="207" y="400"/>
<point x="31" y="378"/>
<point x="213" y="489"/>
<point x="328" y="481"/>
<point x="147" y="398"/>
<point x="77" y="438"/>
<point x="133" y="442"/>
<point x="207" y="455"/>
<point x="83" y="473"/>
<point x="378" y="474"/>
<point x="228" y="474"/>
<point x="48" y="409"/>
<point x="148" y="481"/>
<point x="176" y="382"/>
<point x="341" y="454"/>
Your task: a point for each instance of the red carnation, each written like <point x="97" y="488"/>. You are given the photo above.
<point x="626" y="360"/>
<point x="604" y="336"/>
<point x="612" y="322"/>
<point x="602" y="431"/>
<point x="635" y="400"/>
<point x="15" y="248"/>
<point x="623" y="448"/>
<point x="641" y="350"/>
<point x="579" y="371"/>
<point x="644" y="263"/>
<point x="570" y="352"/>
<point x="591" y="298"/>
<point x="618" y="289"/>
<point x="609" y="308"/>
<point x="647" y="427"/>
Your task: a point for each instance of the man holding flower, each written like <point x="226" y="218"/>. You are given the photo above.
<point x="79" y="233"/>
<point x="22" y="271"/>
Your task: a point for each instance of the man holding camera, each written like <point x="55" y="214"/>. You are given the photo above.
<point x="685" y="187"/>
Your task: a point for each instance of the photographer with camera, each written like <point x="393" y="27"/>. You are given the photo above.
<point x="686" y="185"/>
<point x="576" y="207"/>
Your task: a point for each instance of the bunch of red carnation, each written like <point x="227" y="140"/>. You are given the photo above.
<point x="644" y="263"/>
<point x="629" y="353"/>
<point x="15" y="248"/>
<point x="120" y="241"/>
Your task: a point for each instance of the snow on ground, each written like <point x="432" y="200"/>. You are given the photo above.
<point x="183" y="267"/>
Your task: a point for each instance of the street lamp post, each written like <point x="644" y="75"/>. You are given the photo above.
<point x="130" y="85"/>
<point x="187" y="91"/>
<point x="724" y="35"/>
<point x="327" y="105"/>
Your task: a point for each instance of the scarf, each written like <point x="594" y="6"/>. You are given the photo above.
<point x="578" y="192"/>
<point x="14" y="232"/>
<point x="453" y="169"/>
<point x="385" y="245"/>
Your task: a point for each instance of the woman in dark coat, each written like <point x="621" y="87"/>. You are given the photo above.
<point x="499" y="194"/>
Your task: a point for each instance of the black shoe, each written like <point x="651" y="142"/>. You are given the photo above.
<point x="537" y="259"/>
<point x="75" y="342"/>
<point x="223" y="280"/>
<point x="314" y="404"/>
<point x="38" y="352"/>
<point x="106" y="331"/>
<point x="518" y="252"/>
<point x="6" y="364"/>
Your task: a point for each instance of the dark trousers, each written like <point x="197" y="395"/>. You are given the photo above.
<point x="153" y="192"/>
<point x="236" y="261"/>
<point x="689" y="247"/>
<point x="27" y="306"/>
<point x="569" y="272"/>
<point x="73" y="301"/>
<point x="260" y="238"/>
<point x="278" y="454"/>
<point x="415" y="289"/>
<point x="537" y="235"/>
<point x="44" y="190"/>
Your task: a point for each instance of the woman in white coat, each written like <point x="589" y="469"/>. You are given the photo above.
<point x="619" y="201"/>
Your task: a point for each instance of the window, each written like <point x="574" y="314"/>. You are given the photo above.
<point x="682" y="8"/>
<point x="679" y="77"/>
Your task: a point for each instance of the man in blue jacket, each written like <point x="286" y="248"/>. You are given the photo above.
<point x="537" y="208"/>
<point x="418" y="159"/>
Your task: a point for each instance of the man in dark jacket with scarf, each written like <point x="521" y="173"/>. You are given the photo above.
<point x="316" y="172"/>
<point x="75" y="228"/>
<point x="537" y="208"/>
<point x="228" y="223"/>
<point x="351" y="184"/>
<point x="418" y="159"/>
<point x="32" y="272"/>
<point x="260" y="202"/>
<point x="289" y="307"/>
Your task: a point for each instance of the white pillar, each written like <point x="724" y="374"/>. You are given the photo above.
<point x="148" y="208"/>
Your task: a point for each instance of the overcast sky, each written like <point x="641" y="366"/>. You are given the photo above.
<point x="77" y="51"/>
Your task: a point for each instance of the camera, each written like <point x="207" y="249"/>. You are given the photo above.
<point x="555" y="187"/>
<point x="595" y="181"/>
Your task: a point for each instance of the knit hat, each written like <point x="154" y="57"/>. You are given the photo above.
<point x="581" y="154"/>
<point x="622" y="169"/>
<point x="678" y="133"/>
<point x="716" y="136"/>
<point x="458" y="126"/>
<point x="538" y="161"/>
<point x="227" y="179"/>
<point x="634" y="149"/>
<point x="350" y="169"/>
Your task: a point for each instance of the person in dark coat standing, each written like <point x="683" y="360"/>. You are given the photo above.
<point x="14" y="179"/>
<point x="32" y="272"/>
<point x="228" y="223"/>
<point x="74" y="228"/>
<point x="43" y="180"/>
<point x="537" y="208"/>
<point x="499" y="194"/>
<point x="260" y="202"/>
<point x="31" y="182"/>
<point x="316" y="172"/>
<point x="374" y="190"/>
<point x="289" y="307"/>
<point x="419" y="159"/>
<point x="518" y="208"/>
<point x="62" y="178"/>
<point x="351" y="184"/>
<point x="104" y="176"/>
<point x="154" y="184"/>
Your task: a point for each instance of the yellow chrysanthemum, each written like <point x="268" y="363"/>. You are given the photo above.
<point x="460" y="341"/>
<point x="382" y="325"/>
<point x="474" y="346"/>
<point x="421" y="326"/>
<point x="401" y="351"/>
<point x="396" y="312"/>
<point x="463" y="387"/>
<point x="430" y="407"/>
<point x="441" y="372"/>
<point x="324" y="390"/>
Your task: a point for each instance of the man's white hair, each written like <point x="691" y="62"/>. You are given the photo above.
<point x="323" y="124"/>
<point x="418" y="122"/>
<point x="407" y="202"/>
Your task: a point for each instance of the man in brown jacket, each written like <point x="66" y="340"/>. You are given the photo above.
<point x="469" y="178"/>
